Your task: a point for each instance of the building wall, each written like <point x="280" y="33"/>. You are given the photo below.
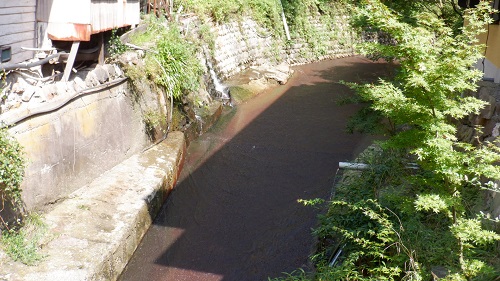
<point x="491" y="64"/>
<point x="17" y="27"/>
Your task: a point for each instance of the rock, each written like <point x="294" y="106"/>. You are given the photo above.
<point x="110" y="69"/>
<point x="276" y="75"/>
<point x="91" y="80"/>
<point x="489" y="108"/>
<point x="64" y="88"/>
<point x="130" y="58"/>
<point x="19" y="87"/>
<point x="28" y="93"/>
<point x="79" y="84"/>
<point x="48" y="92"/>
<point x="118" y="70"/>
<point x="495" y="132"/>
<point x="465" y="133"/>
<point x="101" y="74"/>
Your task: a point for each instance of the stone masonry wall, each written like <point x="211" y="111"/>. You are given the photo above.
<point x="241" y="45"/>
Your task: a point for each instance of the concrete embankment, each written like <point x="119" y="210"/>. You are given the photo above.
<point x="98" y="227"/>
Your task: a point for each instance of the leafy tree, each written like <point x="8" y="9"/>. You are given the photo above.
<point x="421" y="103"/>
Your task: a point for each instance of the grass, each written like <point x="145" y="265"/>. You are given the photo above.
<point x="23" y="244"/>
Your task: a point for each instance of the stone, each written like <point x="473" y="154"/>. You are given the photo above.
<point x="495" y="132"/>
<point x="28" y="93"/>
<point x="489" y="108"/>
<point x="118" y="70"/>
<point x="101" y="74"/>
<point x="19" y="87"/>
<point x="48" y="92"/>
<point x="79" y="84"/>
<point x="91" y="80"/>
<point x="465" y="133"/>
<point x="110" y="69"/>
<point x="64" y="88"/>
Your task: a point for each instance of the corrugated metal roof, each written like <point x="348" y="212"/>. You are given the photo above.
<point x="76" y="20"/>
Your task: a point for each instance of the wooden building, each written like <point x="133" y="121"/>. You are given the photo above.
<point x="17" y="29"/>
<point x="29" y="24"/>
<point x="76" y="20"/>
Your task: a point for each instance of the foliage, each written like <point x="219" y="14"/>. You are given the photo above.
<point x="173" y="66"/>
<point x="12" y="166"/>
<point x="389" y="231"/>
<point x="116" y="47"/>
<point x="301" y="17"/>
<point x="22" y="244"/>
<point x="154" y="120"/>
<point x="155" y="29"/>
<point x="394" y="222"/>
<point x="265" y="12"/>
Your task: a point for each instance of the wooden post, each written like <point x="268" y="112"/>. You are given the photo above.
<point x="71" y="61"/>
<point x="100" y="60"/>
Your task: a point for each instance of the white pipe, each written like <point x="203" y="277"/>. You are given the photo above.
<point x="353" y="166"/>
<point x="285" y="25"/>
<point x="362" y="166"/>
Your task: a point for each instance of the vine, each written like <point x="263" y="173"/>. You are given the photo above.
<point x="12" y="165"/>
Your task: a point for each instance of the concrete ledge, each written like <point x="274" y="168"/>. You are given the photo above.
<point x="98" y="227"/>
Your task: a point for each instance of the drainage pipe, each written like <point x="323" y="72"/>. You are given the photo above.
<point x="54" y="107"/>
<point x="362" y="166"/>
<point x="29" y="65"/>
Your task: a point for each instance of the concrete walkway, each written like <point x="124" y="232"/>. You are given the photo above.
<point x="97" y="228"/>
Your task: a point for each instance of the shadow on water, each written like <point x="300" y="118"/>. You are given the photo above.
<point x="234" y="214"/>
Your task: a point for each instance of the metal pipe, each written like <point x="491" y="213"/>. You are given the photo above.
<point x="29" y="65"/>
<point x="363" y="166"/>
<point x="54" y="107"/>
<point x="353" y="166"/>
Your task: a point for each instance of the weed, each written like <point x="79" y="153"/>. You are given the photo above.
<point x="116" y="47"/>
<point x="23" y="243"/>
<point x="12" y="165"/>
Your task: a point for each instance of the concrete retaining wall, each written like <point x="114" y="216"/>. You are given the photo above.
<point x="69" y="147"/>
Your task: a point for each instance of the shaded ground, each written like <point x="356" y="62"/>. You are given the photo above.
<point x="234" y="214"/>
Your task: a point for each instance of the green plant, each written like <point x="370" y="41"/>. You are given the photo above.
<point x="173" y="66"/>
<point x="152" y="120"/>
<point x="22" y="243"/>
<point x="421" y="102"/>
<point x="116" y="47"/>
<point x="12" y="165"/>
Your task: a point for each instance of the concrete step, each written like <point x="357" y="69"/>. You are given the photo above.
<point x="97" y="228"/>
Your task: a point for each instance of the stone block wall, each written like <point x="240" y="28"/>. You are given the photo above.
<point x="240" y="45"/>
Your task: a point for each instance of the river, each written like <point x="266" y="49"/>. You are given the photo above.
<point x="234" y="213"/>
